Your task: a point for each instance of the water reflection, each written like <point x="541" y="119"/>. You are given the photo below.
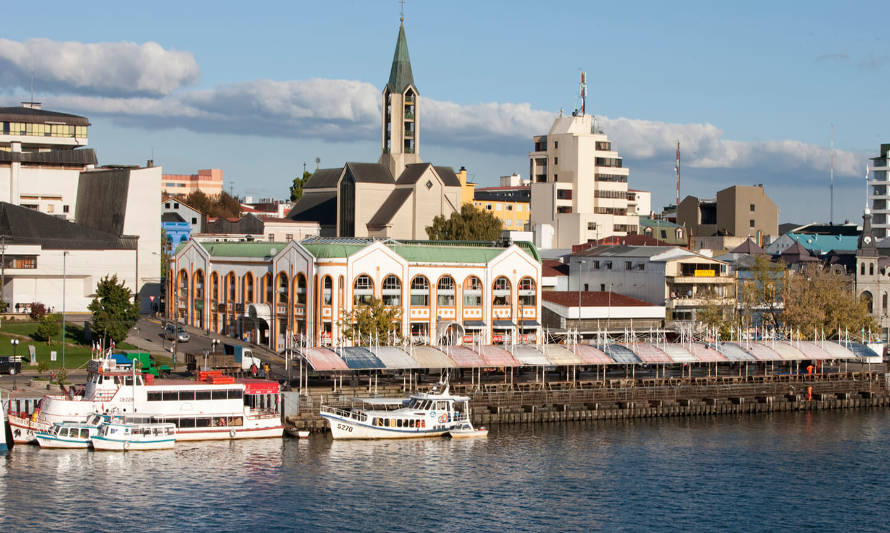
<point x="724" y="473"/>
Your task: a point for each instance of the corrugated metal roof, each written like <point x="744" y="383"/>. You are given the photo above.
<point x="359" y="358"/>
<point x="394" y="357"/>
<point x="788" y="351"/>
<point x="497" y="356"/>
<point x="322" y="359"/>
<point x="591" y="355"/>
<point x="562" y="355"/>
<point x="528" y="355"/>
<point x="464" y="357"/>
<point x="734" y="352"/>
<point x="678" y="353"/>
<point x="256" y="250"/>
<point x="620" y="354"/>
<point x="429" y="357"/>
<point x="650" y="353"/>
<point x="762" y="352"/>
<point x="706" y="354"/>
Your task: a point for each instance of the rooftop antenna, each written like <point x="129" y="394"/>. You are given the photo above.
<point x="304" y="168"/>
<point x="32" y="86"/>
<point x="582" y="92"/>
<point x="866" y="185"/>
<point x="831" y="178"/>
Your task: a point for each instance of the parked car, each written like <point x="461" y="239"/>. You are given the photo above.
<point x="177" y="333"/>
<point x="11" y="364"/>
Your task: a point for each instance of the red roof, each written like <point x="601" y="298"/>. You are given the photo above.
<point x="554" y="267"/>
<point x="592" y="299"/>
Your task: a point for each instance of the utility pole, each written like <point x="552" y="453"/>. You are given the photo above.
<point x="2" y="269"/>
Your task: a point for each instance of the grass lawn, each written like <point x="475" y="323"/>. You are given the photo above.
<point x="76" y="352"/>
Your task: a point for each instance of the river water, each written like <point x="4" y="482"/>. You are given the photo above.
<point x="816" y="471"/>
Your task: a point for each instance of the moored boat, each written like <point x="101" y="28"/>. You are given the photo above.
<point x="133" y="434"/>
<point x="467" y="431"/>
<point x="69" y="434"/>
<point x="431" y="414"/>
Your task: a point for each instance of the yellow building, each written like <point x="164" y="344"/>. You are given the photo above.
<point x="510" y="204"/>
<point x="467" y="188"/>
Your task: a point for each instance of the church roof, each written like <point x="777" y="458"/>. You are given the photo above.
<point x="320" y="206"/>
<point x="748" y="247"/>
<point x="390" y="207"/>
<point x="412" y="173"/>
<point x="323" y="178"/>
<point x="370" y="173"/>
<point x="400" y="76"/>
<point x="449" y="178"/>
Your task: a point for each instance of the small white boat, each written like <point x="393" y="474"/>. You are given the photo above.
<point x="128" y="434"/>
<point x="69" y="434"/>
<point x="4" y="446"/>
<point x="431" y="414"/>
<point x="303" y="434"/>
<point x="467" y="431"/>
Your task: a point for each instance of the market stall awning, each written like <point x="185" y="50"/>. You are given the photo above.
<point x="650" y="353"/>
<point x="322" y="359"/>
<point x="464" y="357"/>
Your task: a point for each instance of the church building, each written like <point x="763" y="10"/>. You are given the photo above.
<point x="398" y="196"/>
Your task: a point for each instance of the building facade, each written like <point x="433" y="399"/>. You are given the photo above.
<point x="510" y="204"/>
<point x="579" y="184"/>
<point x="208" y="180"/>
<point x="269" y="293"/>
<point x="872" y="277"/>
<point x="738" y="211"/>
<point x="879" y="192"/>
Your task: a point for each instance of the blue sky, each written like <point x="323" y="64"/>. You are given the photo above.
<point x="750" y="89"/>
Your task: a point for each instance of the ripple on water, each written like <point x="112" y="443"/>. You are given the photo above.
<point x="790" y="471"/>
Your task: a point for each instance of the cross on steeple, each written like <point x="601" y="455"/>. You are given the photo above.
<point x="402" y="15"/>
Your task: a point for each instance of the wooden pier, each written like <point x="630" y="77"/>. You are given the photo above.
<point x="617" y="399"/>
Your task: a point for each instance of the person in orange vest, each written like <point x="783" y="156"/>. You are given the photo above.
<point x="810" y="369"/>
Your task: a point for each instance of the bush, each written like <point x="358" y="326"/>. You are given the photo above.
<point x="37" y="310"/>
<point x="49" y="327"/>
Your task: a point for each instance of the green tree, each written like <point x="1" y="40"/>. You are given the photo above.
<point x="50" y="325"/>
<point x="470" y="224"/>
<point x="372" y="322"/>
<point x="223" y="205"/>
<point x="821" y="299"/>
<point x="296" y="189"/>
<point x="113" y="309"/>
<point x="165" y="253"/>
<point x="762" y="293"/>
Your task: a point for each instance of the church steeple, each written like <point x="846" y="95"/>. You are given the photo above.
<point x="400" y="134"/>
<point x="867" y="245"/>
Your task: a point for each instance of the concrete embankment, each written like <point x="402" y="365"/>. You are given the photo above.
<point x="538" y="403"/>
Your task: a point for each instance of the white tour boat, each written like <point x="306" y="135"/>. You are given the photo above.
<point x="430" y="414"/>
<point x="134" y="434"/>
<point x="218" y="407"/>
<point x="69" y="434"/>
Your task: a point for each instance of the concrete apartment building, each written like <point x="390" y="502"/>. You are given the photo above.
<point x="510" y="204"/>
<point x="678" y="279"/>
<point x="209" y="181"/>
<point x="879" y="193"/>
<point x="45" y="166"/>
<point x="398" y="196"/>
<point x="739" y="211"/>
<point x="579" y="185"/>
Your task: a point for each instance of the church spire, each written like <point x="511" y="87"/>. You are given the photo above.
<point x="400" y="76"/>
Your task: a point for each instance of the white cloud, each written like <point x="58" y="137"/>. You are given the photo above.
<point x="112" y="69"/>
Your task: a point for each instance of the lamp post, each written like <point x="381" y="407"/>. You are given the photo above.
<point x="15" y="344"/>
<point x="64" y="278"/>
<point x="580" y="266"/>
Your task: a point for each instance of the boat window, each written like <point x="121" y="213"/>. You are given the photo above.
<point x="186" y="422"/>
<point x="411" y="423"/>
<point x="63" y="432"/>
<point x="187" y="395"/>
<point x="202" y="422"/>
<point x="154" y="396"/>
<point x="443" y="406"/>
<point x="84" y="433"/>
<point x="128" y="380"/>
<point x="202" y="395"/>
<point x="234" y="394"/>
<point x="219" y="394"/>
<point x="171" y="395"/>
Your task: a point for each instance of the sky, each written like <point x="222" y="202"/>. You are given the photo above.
<point x="752" y="91"/>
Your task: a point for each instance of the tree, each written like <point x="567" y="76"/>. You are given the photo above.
<point x="37" y="310"/>
<point x="114" y="311"/>
<point x="821" y="299"/>
<point x="165" y="253"/>
<point x="296" y="189"/>
<point x="50" y="325"/>
<point x="373" y="322"/>
<point x="470" y="224"/>
<point x="223" y="205"/>
<point x="762" y="292"/>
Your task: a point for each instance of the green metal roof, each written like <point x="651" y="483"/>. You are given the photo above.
<point x="441" y="252"/>
<point x="400" y="76"/>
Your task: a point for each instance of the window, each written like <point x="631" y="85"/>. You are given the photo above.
<point x="175" y="205"/>
<point x="271" y="237"/>
<point x="363" y="290"/>
<point x="608" y="265"/>
<point x="420" y="292"/>
<point x="268" y="289"/>
<point x="555" y="144"/>
<point x="194" y="220"/>
<point x="50" y="208"/>
<point x="596" y="265"/>
<point x="301" y="289"/>
<point x="752" y="208"/>
<point x="509" y="207"/>
<point x="445" y="292"/>
<point x="602" y="287"/>
<point x="289" y="236"/>
<point x="65" y="208"/>
<point x="527" y="296"/>
<point x="167" y="205"/>
<point x="488" y="206"/>
<point x="501" y="292"/>
<point x="282" y="288"/>
<point x="472" y="292"/>
<point x="751" y="222"/>
<point x="628" y="265"/>
<point x="555" y="161"/>
<point x="327" y="290"/>
<point x="392" y="291"/>
<point x="248" y="288"/>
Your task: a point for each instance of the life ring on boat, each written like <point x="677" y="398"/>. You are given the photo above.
<point x="232" y="433"/>
<point x="443" y="418"/>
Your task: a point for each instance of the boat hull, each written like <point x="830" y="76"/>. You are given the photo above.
<point x="230" y="433"/>
<point x="343" y="428"/>
<point x="117" y="445"/>
<point x="24" y="429"/>
<point x="468" y="433"/>
<point x="50" y="441"/>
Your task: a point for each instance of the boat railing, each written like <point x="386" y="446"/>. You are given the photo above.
<point x="355" y="415"/>
<point x="460" y="418"/>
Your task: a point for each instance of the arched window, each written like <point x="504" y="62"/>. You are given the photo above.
<point x="884" y="303"/>
<point x="248" y="296"/>
<point x="445" y="292"/>
<point x="392" y="291"/>
<point x="230" y="287"/>
<point x="327" y="290"/>
<point x="472" y="292"/>
<point x="267" y="288"/>
<point x="501" y="293"/>
<point x="199" y="285"/>
<point x="183" y="284"/>
<point x="362" y="290"/>
<point x="869" y="299"/>
<point x="214" y="286"/>
<point x="300" y="290"/>
<point x="861" y="269"/>
<point x="871" y="269"/>
<point x="527" y="294"/>
<point x="282" y="288"/>
<point x="420" y="292"/>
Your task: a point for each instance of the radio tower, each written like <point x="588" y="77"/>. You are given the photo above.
<point x="831" y="178"/>
<point x="582" y="93"/>
<point x="677" y="169"/>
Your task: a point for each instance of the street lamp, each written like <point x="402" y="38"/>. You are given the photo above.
<point x="15" y="343"/>
<point x="580" y="266"/>
<point x="64" y="278"/>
